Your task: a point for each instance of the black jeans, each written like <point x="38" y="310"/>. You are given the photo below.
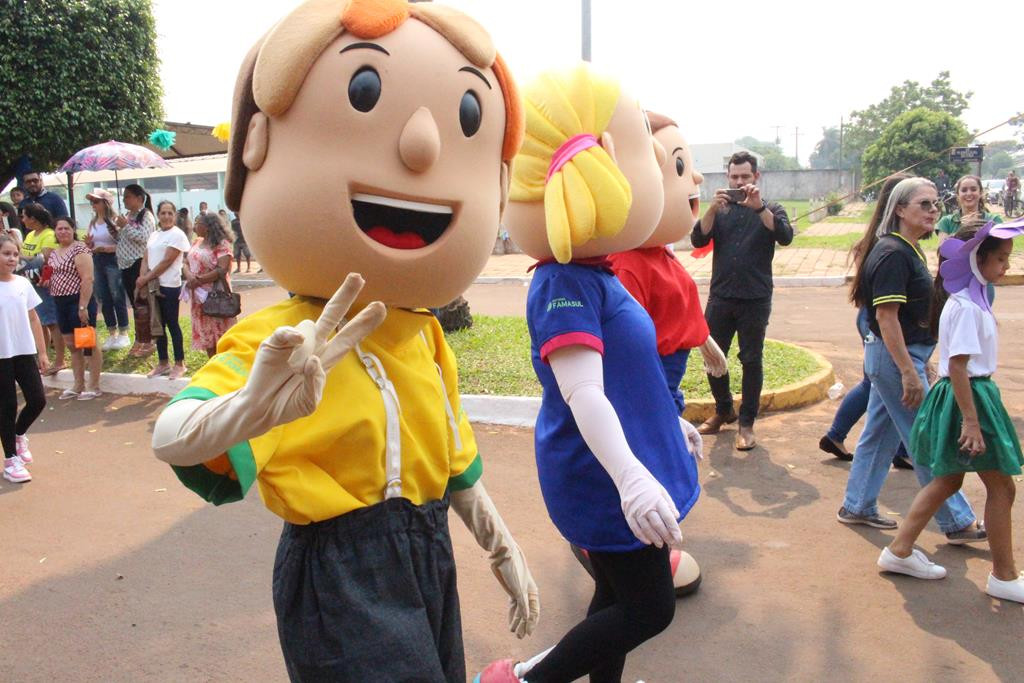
<point x="747" y="319"/>
<point x="23" y="371"/>
<point x="633" y="601"/>
<point x="168" y="301"/>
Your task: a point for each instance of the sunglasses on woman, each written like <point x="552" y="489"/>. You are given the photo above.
<point x="927" y="205"/>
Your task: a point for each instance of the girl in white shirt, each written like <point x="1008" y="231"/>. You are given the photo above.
<point x="962" y="425"/>
<point x="22" y="357"/>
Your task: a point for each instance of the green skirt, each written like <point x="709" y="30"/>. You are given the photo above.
<point x="934" y="439"/>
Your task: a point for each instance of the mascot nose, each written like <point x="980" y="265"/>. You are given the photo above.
<point x="420" y="144"/>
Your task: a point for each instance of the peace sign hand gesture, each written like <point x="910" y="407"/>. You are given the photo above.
<point x="291" y="366"/>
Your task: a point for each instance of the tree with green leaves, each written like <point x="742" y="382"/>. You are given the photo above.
<point x="914" y="136"/>
<point x="866" y="125"/>
<point x="826" y="152"/>
<point x="774" y="159"/>
<point x="75" y="73"/>
<point x="999" y="158"/>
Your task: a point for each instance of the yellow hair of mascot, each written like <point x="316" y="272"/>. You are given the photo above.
<point x="588" y="197"/>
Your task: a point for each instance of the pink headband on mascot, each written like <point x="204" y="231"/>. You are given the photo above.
<point x="960" y="269"/>
<point x="568" y="150"/>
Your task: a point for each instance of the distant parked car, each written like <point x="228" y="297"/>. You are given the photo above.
<point x="994" y="189"/>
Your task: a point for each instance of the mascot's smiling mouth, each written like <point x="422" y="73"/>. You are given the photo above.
<point x="695" y="204"/>
<point x="400" y="223"/>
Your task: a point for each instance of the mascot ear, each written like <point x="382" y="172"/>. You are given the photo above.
<point x="608" y="143"/>
<point x="505" y="178"/>
<point x="257" y="139"/>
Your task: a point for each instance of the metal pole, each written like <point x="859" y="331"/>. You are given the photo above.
<point x="840" y="151"/>
<point x="71" y="195"/>
<point x="586" y="31"/>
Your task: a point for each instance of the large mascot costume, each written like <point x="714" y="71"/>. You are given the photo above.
<point x="613" y="464"/>
<point x="656" y="278"/>
<point x="369" y="135"/>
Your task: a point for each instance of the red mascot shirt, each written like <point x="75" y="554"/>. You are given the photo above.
<point x="658" y="281"/>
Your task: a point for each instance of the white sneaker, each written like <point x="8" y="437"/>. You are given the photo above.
<point x="917" y="565"/>
<point x="14" y="470"/>
<point x="121" y="341"/>
<point x="21" y="448"/>
<point x="1006" y="590"/>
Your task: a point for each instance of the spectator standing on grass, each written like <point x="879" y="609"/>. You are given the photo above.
<point x="22" y="357"/>
<point x="894" y="285"/>
<point x="241" y="249"/>
<point x="208" y="260"/>
<point x="39" y="243"/>
<point x="745" y="231"/>
<point x="36" y="193"/>
<point x="162" y="263"/>
<point x="131" y="233"/>
<point x="107" y="275"/>
<point x="71" y="284"/>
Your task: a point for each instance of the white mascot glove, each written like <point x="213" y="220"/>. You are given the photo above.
<point x="714" y="360"/>
<point x="693" y="439"/>
<point x="476" y="509"/>
<point x="286" y="383"/>
<point x="649" y="510"/>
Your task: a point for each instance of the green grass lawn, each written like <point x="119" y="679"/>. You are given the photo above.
<point x="846" y="241"/>
<point x="120" y="361"/>
<point x="494" y="358"/>
<point x="863" y="217"/>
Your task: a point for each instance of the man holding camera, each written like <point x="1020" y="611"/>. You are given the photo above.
<point x="745" y="229"/>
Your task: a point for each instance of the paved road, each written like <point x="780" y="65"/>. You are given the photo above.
<point x="113" y="572"/>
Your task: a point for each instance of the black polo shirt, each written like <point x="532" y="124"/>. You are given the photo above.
<point x="742" y="259"/>
<point x="897" y="272"/>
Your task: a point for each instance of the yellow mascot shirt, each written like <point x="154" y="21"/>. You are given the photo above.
<point x="333" y="461"/>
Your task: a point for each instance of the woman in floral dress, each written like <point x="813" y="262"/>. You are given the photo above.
<point x="208" y="260"/>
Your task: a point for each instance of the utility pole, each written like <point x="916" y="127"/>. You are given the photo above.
<point x="586" y="30"/>
<point x="840" y="151"/>
<point x="778" y="140"/>
<point x="796" y="144"/>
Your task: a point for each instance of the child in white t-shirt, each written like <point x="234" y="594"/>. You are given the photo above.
<point x="962" y="425"/>
<point x="22" y="357"/>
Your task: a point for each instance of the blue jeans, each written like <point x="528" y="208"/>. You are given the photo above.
<point x="110" y="291"/>
<point x="674" y="366"/>
<point x="889" y="422"/>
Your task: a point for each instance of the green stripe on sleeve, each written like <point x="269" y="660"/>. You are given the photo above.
<point x="469" y="476"/>
<point x="893" y="299"/>
<point x="210" y="486"/>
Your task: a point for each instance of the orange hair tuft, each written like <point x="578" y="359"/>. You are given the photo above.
<point x="370" y="19"/>
<point x="515" y="116"/>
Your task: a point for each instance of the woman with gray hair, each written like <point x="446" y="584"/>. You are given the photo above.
<point x="208" y="260"/>
<point x="895" y="287"/>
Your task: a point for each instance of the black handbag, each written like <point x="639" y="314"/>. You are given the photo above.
<point x="221" y="301"/>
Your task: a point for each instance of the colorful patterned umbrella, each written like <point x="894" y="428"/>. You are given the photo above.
<point x="113" y="156"/>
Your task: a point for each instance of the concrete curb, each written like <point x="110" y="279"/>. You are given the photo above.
<point x="513" y="411"/>
<point x="797" y="395"/>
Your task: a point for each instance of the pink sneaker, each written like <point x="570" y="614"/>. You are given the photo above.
<point x="500" y="671"/>
<point x="14" y="470"/>
<point x="21" y="448"/>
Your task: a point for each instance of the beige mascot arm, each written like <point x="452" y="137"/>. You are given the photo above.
<point x="476" y="509"/>
<point x="286" y="383"/>
<point x="646" y="505"/>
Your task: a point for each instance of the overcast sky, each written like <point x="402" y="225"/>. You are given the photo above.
<point x="721" y="70"/>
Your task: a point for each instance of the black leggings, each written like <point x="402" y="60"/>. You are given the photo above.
<point x="24" y="371"/>
<point x="633" y="601"/>
<point x="168" y="301"/>
<point x="129" y="276"/>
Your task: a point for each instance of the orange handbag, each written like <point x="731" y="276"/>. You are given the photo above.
<point x="85" y="337"/>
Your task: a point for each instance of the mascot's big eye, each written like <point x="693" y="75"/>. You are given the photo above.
<point x="364" y="89"/>
<point x="469" y="114"/>
<point x="680" y="166"/>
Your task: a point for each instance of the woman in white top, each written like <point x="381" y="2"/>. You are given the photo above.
<point x="109" y="286"/>
<point x="161" y="264"/>
<point x="22" y="357"/>
<point x="962" y="425"/>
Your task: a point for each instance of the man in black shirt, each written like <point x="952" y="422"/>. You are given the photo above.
<point x="744" y="228"/>
<point x="36" y="193"/>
